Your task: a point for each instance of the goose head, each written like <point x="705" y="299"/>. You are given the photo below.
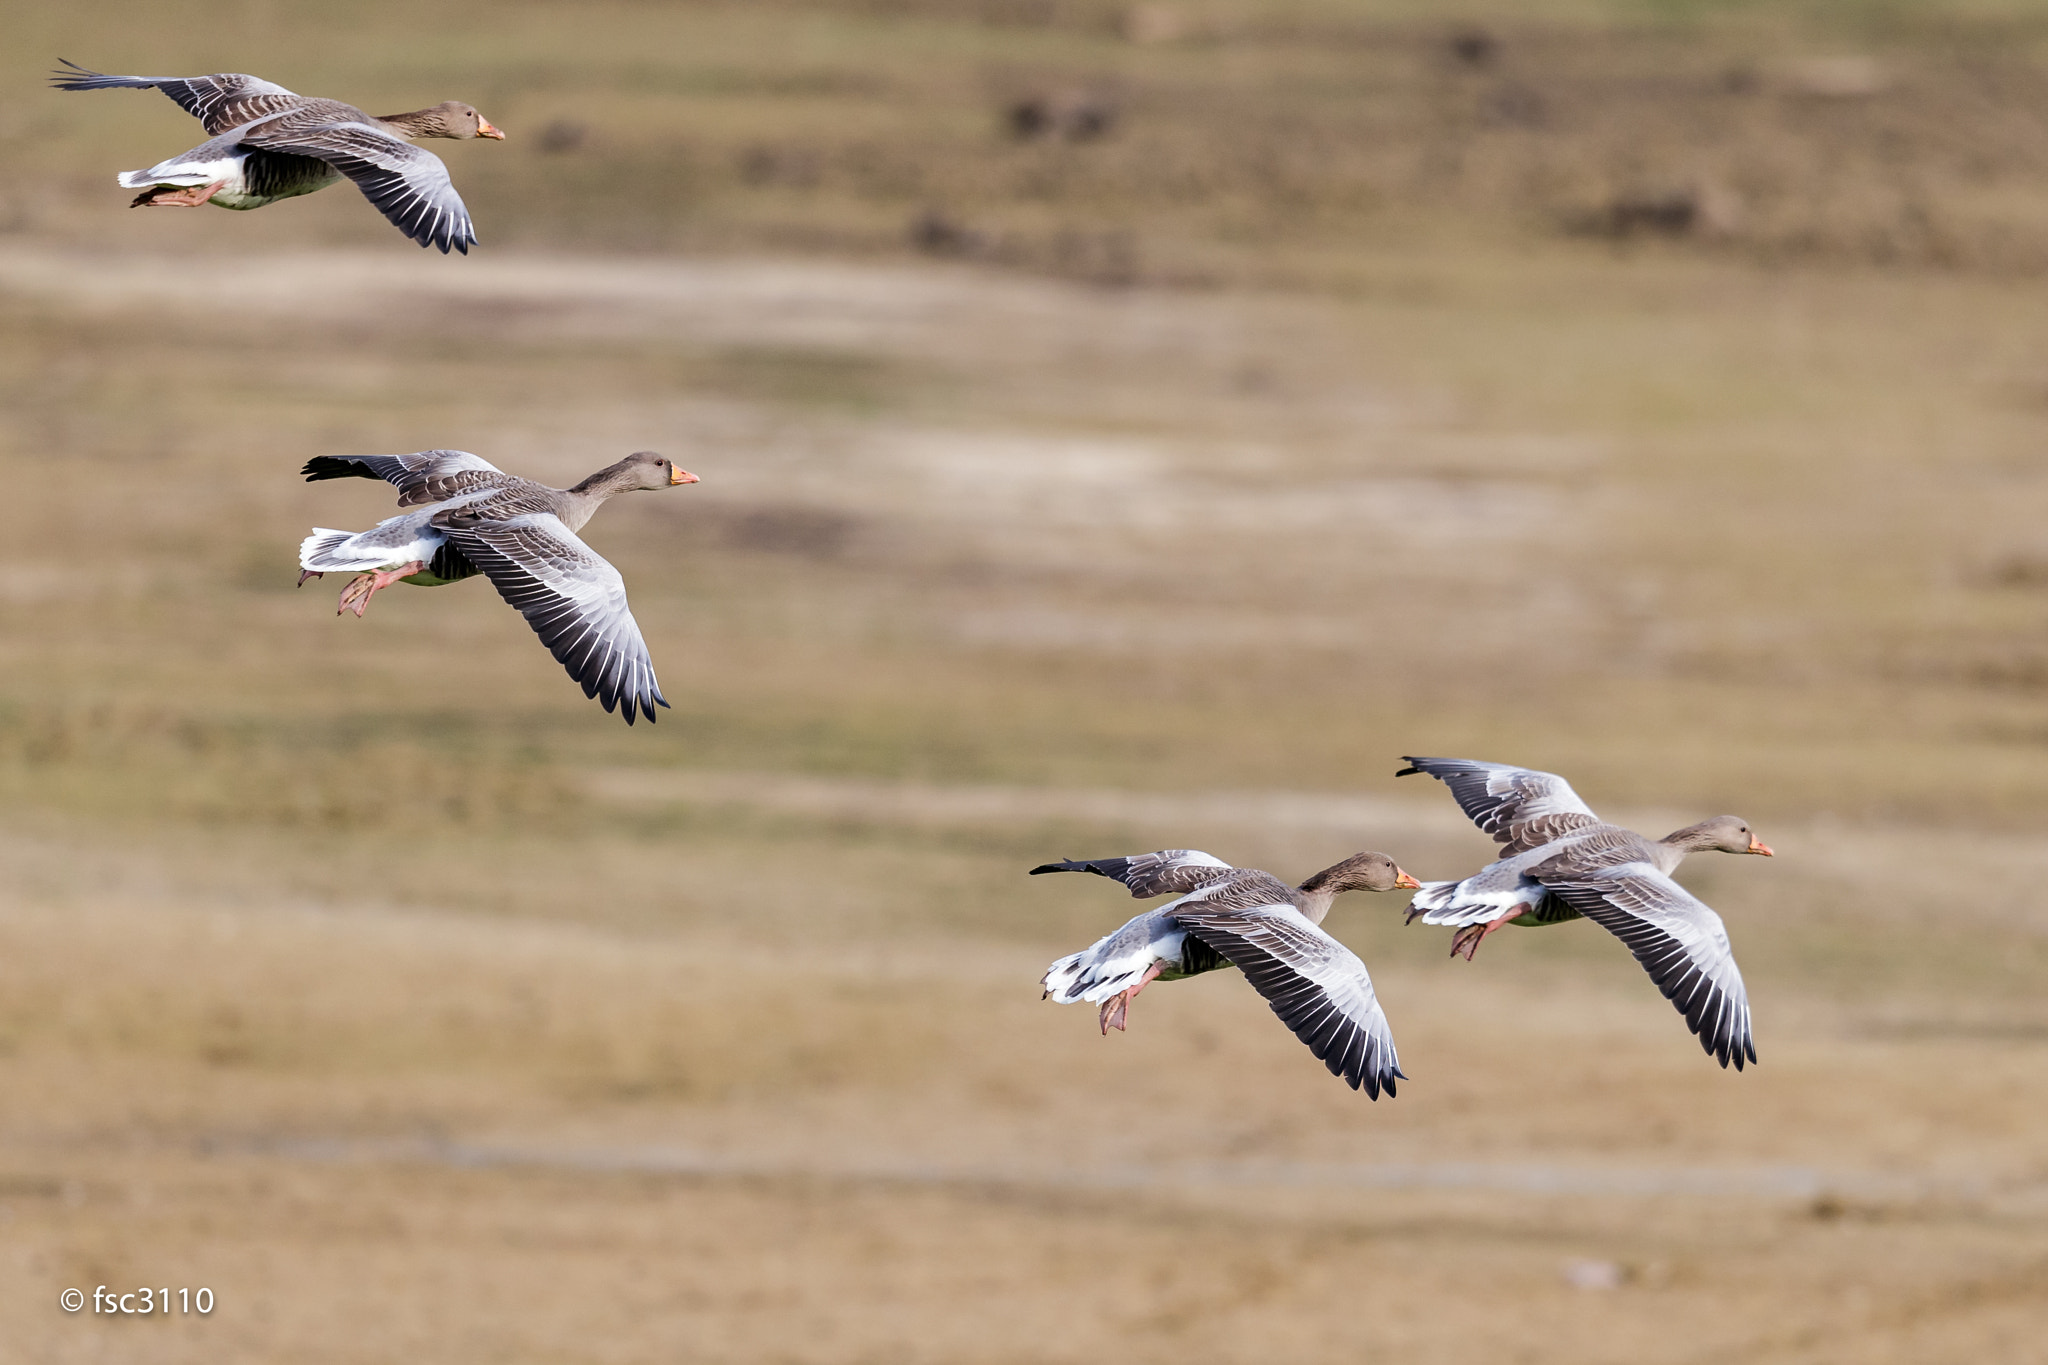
<point x="450" y="118"/>
<point x="1722" y="834"/>
<point x="1361" y="872"/>
<point x="641" y="471"/>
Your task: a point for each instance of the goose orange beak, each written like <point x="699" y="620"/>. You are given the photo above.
<point x="1403" y="880"/>
<point x="681" y="475"/>
<point x="484" y="129"/>
<point x="1757" y="845"/>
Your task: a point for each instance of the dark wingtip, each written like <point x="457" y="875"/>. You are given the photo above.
<point x="1078" y="865"/>
<point x="333" y="467"/>
<point x="1408" y="771"/>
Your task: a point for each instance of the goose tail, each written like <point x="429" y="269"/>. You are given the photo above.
<point x="167" y="173"/>
<point x="1431" y="896"/>
<point x="1065" y="982"/>
<point x="1097" y="973"/>
<point x="326" y="551"/>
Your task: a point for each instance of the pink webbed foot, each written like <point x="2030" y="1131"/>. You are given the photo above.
<point x="356" y="596"/>
<point x="1466" y="941"/>
<point x="1116" y="1009"/>
<point x="305" y="574"/>
<point x="171" y="197"/>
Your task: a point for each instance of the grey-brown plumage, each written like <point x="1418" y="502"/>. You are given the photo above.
<point x="1563" y="862"/>
<point x="1242" y="917"/>
<point x="469" y="517"/>
<point x="269" y="144"/>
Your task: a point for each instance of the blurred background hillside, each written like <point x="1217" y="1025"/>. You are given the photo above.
<point x="1121" y="426"/>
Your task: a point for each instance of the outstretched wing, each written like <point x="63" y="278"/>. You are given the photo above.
<point x="1681" y="943"/>
<point x="1169" y="872"/>
<point x="1315" y="984"/>
<point x="423" y="477"/>
<point x="219" y="102"/>
<point x="1520" y="807"/>
<point x="409" y="186"/>
<point x="572" y="598"/>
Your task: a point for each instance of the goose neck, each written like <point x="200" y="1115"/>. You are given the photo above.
<point x="418" y="123"/>
<point x="576" y="507"/>
<point x="1315" y="905"/>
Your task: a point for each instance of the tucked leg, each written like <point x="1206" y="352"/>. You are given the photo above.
<point x="1466" y="941"/>
<point x="172" y="197"/>
<point x="1118" y="1006"/>
<point x="356" y="596"/>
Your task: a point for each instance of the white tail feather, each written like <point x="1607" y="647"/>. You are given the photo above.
<point x="1094" y="976"/>
<point x="1441" y="903"/>
<point x="142" y="180"/>
<point x="325" y="552"/>
<point x="1433" y="896"/>
<point x="1062" y="977"/>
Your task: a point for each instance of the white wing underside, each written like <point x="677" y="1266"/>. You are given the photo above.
<point x="1680" y="942"/>
<point x="574" y="600"/>
<point x="1318" y="987"/>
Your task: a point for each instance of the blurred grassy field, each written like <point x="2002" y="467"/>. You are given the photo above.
<point x="1345" y="398"/>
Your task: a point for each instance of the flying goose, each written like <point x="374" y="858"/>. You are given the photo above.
<point x="468" y="518"/>
<point x="1562" y="862"/>
<point x="269" y="144"/>
<point x="1228" y="916"/>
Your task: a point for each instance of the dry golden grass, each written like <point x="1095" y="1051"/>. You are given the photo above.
<point x="1264" y="141"/>
<point x="379" y="1132"/>
<point x="367" y="974"/>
